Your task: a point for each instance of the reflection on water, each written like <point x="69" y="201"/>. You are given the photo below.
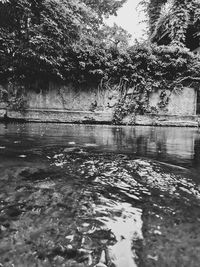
<point x="180" y="146"/>
<point x="66" y="200"/>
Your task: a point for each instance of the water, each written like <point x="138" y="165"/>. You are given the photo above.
<point x="179" y="146"/>
<point x="82" y="195"/>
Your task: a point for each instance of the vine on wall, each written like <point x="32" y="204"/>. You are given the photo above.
<point x="15" y="97"/>
<point x="166" y="69"/>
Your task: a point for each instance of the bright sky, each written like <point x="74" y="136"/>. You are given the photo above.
<point x="129" y="17"/>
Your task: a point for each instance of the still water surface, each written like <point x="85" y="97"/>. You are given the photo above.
<point x="179" y="146"/>
<point x="81" y="195"/>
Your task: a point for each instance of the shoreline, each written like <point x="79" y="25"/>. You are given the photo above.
<point x="96" y="117"/>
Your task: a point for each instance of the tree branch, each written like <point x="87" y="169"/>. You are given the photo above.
<point x="194" y="79"/>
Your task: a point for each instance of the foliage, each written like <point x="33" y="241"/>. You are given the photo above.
<point x="152" y="8"/>
<point x="147" y="69"/>
<point x="170" y="21"/>
<point x="114" y="36"/>
<point x="37" y="37"/>
<point x="105" y="7"/>
<point x="65" y="40"/>
<point x="14" y="96"/>
<point x="94" y="59"/>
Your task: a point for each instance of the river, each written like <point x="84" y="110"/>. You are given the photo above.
<point x="98" y="195"/>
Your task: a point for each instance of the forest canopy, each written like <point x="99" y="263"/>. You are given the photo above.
<point x="41" y="37"/>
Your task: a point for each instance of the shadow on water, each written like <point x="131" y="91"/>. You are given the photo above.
<point x="82" y="195"/>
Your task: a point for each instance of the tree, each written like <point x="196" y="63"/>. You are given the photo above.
<point x="114" y="36"/>
<point x="105" y="7"/>
<point x="174" y="22"/>
<point x="37" y="35"/>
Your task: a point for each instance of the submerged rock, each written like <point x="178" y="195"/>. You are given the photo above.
<point x="22" y="156"/>
<point x="45" y="185"/>
<point x="90" y="145"/>
<point x="98" y="210"/>
<point x="72" y="143"/>
<point x="71" y="149"/>
<point x="30" y="173"/>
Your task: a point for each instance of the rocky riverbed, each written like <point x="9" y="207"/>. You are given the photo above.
<point x="83" y="208"/>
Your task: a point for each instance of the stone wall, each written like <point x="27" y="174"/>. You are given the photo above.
<point x="66" y="103"/>
<point x="61" y="97"/>
<point x="53" y="115"/>
<point x="181" y="103"/>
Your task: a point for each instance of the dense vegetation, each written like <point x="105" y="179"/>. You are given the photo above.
<point x="44" y="38"/>
<point x="154" y="68"/>
<point x="174" y="21"/>
<point x="67" y="41"/>
<point x="166" y="62"/>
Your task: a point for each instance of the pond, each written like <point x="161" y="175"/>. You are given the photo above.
<point x="97" y="195"/>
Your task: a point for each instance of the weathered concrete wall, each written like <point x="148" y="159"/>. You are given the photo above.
<point x="182" y="103"/>
<point x="60" y="103"/>
<point x="65" y="103"/>
<point x="72" y="98"/>
<point x="162" y="120"/>
<point x="50" y="115"/>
